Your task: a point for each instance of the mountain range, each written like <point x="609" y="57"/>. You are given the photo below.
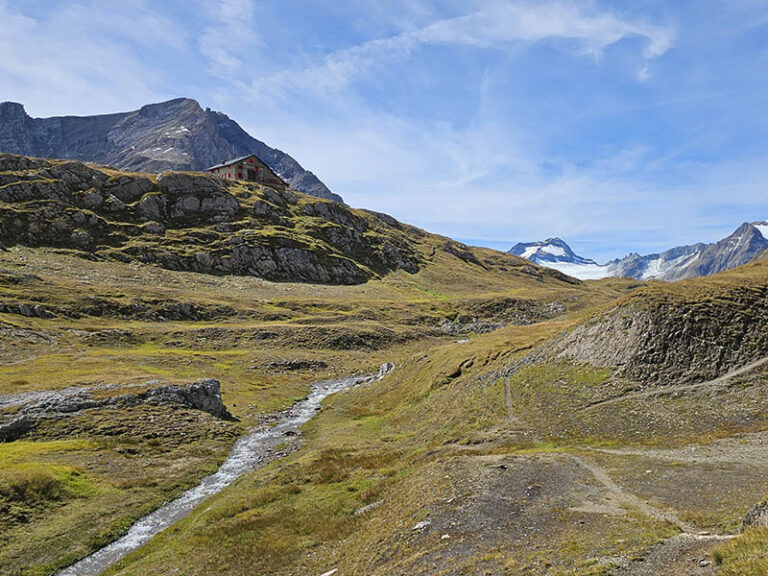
<point x="175" y="135"/>
<point x="746" y="243"/>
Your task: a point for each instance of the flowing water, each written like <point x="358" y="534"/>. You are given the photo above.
<point x="247" y="454"/>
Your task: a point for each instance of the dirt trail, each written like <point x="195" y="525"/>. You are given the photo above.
<point x="684" y="554"/>
<point x="747" y="449"/>
<point x="681" y="388"/>
<point x="681" y="555"/>
<point x="619" y="494"/>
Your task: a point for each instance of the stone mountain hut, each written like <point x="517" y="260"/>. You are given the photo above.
<point x="248" y="168"/>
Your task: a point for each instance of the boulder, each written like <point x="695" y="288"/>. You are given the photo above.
<point x="152" y="207"/>
<point x="757" y="517"/>
<point x="16" y="428"/>
<point x="129" y="189"/>
<point x="202" y="395"/>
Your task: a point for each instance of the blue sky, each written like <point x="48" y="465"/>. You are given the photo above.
<point x="619" y="125"/>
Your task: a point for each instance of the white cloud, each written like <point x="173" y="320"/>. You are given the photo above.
<point x="81" y="58"/>
<point x="230" y="33"/>
<point x="497" y="24"/>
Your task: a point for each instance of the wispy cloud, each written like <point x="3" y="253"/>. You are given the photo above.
<point x="230" y="33"/>
<point x="497" y="24"/>
<point x="82" y="58"/>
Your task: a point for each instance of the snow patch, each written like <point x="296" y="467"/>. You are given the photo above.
<point x="581" y="271"/>
<point x="554" y="250"/>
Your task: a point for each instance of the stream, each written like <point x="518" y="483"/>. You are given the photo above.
<point x="247" y="454"/>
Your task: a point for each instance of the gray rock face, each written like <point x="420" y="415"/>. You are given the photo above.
<point x="675" y="341"/>
<point x="173" y="135"/>
<point x="16" y="428"/>
<point x="203" y="395"/>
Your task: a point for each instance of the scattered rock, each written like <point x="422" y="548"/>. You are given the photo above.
<point x="756" y="517"/>
<point x="294" y="365"/>
<point x="421" y="525"/>
<point x="126" y="218"/>
<point x="368" y="508"/>
<point x="385" y="369"/>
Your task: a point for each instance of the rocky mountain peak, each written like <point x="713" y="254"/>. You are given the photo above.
<point x="175" y="106"/>
<point x="550" y="250"/>
<point x="166" y="136"/>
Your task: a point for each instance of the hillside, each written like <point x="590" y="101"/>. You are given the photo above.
<point x="492" y="455"/>
<point x="686" y="332"/>
<point x="196" y="222"/>
<point x="86" y="343"/>
<point x="175" y="135"/>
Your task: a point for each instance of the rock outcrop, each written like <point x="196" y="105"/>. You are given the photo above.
<point x="676" y="334"/>
<point x="757" y="517"/>
<point x="174" y="135"/>
<point x="203" y="395"/>
<point x="198" y="223"/>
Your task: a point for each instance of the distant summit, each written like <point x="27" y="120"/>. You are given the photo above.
<point x="173" y="135"/>
<point x="746" y="243"/>
<point x="551" y="250"/>
<point x="555" y="253"/>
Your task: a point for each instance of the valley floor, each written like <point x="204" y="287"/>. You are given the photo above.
<point x="477" y="455"/>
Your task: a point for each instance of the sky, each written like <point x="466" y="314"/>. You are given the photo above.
<point x="618" y="125"/>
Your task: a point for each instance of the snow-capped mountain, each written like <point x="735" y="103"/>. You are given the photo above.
<point x="555" y="253"/>
<point x="741" y="247"/>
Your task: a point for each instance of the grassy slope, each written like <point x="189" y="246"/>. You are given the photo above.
<point x="429" y="443"/>
<point x="110" y="327"/>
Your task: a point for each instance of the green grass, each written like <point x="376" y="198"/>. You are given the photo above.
<point x="747" y="554"/>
